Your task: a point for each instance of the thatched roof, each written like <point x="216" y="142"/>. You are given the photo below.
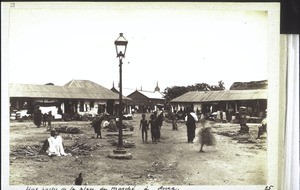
<point x="216" y="96"/>
<point x="263" y="84"/>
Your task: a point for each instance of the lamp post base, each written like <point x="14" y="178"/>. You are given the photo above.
<point x="120" y="154"/>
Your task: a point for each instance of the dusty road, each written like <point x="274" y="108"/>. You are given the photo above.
<point x="172" y="161"/>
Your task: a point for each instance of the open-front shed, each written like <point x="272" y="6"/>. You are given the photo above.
<point x="77" y="96"/>
<point x="227" y="101"/>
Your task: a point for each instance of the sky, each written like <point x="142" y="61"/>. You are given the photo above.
<point x="169" y="44"/>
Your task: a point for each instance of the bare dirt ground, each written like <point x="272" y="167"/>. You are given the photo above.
<point x="235" y="160"/>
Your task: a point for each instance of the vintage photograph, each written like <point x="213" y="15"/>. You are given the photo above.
<point x="140" y="94"/>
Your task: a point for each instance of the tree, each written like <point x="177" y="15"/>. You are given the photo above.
<point x="220" y="86"/>
<point x="176" y="91"/>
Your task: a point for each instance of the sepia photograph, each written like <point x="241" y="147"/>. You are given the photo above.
<point x="136" y="95"/>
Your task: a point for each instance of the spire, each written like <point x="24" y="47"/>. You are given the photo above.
<point x="157" y="88"/>
<point x="141" y="88"/>
<point x="113" y="84"/>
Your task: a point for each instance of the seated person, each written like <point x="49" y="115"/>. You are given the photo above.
<point x="55" y="145"/>
<point x="244" y="128"/>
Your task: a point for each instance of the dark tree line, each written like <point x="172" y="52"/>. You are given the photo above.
<point x="176" y="91"/>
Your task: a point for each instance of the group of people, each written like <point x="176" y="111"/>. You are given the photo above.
<point x="38" y="118"/>
<point x="205" y="137"/>
<point x="156" y="119"/>
<point x="53" y="145"/>
<point x="155" y="122"/>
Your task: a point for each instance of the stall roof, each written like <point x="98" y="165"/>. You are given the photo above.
<point x="89" y="91"/>
<point x="225" y="95"/>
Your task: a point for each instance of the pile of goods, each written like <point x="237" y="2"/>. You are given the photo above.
<point x="113" y="126"/>
<point x="25" y="151"/>
<point x="66" y="129"/>
<point x="228" y="133"/>
<point x="241" y="138"/>
<point x="126" y="143"/>
<point x="81" y="148"/>
<point x="245" y="138"/>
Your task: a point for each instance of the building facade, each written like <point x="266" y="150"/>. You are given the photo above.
<point x="75" y="97"/>
<point x="228" y="101"/>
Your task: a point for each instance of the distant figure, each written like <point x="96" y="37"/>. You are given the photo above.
<point x="144" y="125"/>
<point x="244" y="128"/>
<point x="190" y="120"/>
<point x="44" y="119"/>
<point x="159" y="122"/>
<point x="79" y="179"/>
<point x="37" y="116"/>
<point x="112" y="126"/>
<point x="49" y="119"/>
<point x="263" y="127"/>
<point x="96" y="124"/>
<point x="153" y="127"/>
<point x="174" y="122"/>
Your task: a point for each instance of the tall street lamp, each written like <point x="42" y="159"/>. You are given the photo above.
<point x="120" y="151"/>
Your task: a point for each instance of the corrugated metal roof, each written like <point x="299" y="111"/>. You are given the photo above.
<point x="151" y="95"/>
<point x="89" y="90"/>
<point x="226" y="95"/>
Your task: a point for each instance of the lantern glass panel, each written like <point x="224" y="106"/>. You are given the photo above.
<point x="121" y="45"/>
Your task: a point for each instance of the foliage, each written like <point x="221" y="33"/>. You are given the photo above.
<point x="176" y="91"/>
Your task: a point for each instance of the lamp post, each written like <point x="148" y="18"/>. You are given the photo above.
<point x="120" y="151"/>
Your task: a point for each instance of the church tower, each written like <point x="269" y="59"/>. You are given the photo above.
<point x="157" y="88"/>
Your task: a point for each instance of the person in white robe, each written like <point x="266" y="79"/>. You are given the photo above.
<point x="55" y="145"/>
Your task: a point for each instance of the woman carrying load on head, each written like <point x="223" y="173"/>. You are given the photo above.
<point x="205" y="137"/>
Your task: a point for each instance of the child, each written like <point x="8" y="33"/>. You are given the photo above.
<point x="144" y="126"/>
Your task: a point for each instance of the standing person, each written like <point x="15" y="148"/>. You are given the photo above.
<point x="153" y="127"/>
<point x="174" y="121"/>
<point x="144" y="125"/>
<point x="159" y="122"/>
<point x="190" y="120"/>
<point x="37" y="116"/>
<point x="96" y="124"/>
<point x="263" y="127"/>
<point x="44" y="119"/>
<point x="49" y="119"/>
